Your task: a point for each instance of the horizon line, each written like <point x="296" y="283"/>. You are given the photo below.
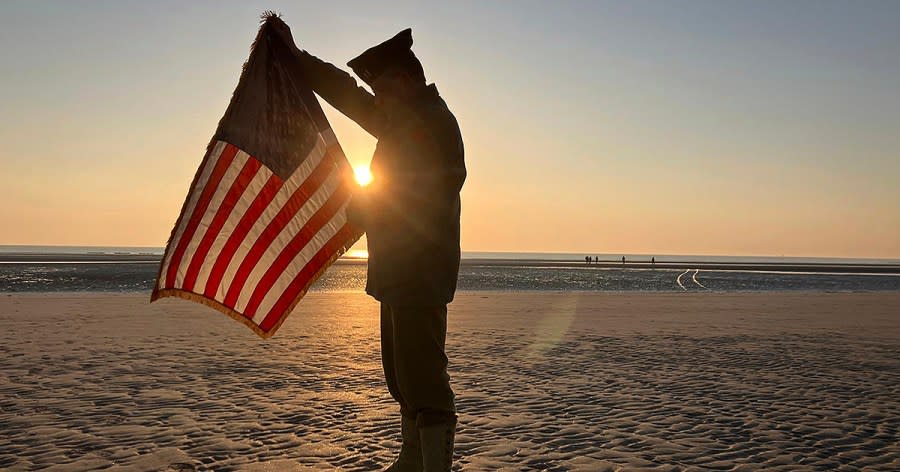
<point x="581" y="253"/>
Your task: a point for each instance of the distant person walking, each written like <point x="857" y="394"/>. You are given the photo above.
<point x="623" y="260"/>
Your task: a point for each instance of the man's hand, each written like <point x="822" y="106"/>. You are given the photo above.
<point x="283" y="31"/>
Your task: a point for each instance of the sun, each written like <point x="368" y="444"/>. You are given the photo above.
<point x="363" y="175"/>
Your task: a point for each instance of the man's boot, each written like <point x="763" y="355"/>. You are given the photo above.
<point x="410" y="458"/>
<point x="437" y="445"/>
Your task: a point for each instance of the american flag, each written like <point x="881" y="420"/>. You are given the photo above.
<point x="266" y="212"/>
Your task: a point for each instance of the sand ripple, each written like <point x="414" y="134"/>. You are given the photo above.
<point x="544" y="382"/>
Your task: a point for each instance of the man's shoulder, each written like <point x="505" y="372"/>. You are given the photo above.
<point x="440" y="119"/>
<point x="434" y="108"/>
<point x="432" y="115"/>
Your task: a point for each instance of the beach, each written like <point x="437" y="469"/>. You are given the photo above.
<point x="585" y="381"/>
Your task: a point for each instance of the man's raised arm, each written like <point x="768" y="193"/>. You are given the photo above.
<point x="337" y="87"/>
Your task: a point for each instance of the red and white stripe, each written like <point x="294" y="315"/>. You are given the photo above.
<point x="252" y="241"/>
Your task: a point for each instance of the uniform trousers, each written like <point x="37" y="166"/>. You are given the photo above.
<point x="413" y="339"/>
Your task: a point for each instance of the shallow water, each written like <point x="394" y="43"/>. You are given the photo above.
<point x="139" y="277"/>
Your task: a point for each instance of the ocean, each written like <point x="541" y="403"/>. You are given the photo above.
<point x="133" y="269"/>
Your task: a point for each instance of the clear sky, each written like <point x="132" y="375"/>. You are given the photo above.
<point x="745" y="128"/>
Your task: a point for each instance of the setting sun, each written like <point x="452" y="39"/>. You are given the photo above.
<point x="363" y="175"/>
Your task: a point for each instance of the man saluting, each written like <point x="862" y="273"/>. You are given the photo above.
<point x="410" y="214"/>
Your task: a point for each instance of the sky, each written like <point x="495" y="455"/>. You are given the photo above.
<point x="679" y="127"/>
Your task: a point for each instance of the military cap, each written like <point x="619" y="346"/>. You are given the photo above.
<point x="394" y="52"/>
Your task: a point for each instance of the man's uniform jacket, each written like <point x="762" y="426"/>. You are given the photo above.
<point x="411" y="210"/>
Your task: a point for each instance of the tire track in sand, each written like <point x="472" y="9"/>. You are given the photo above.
<point x="694" y="278"/>
<point x="678" y="280"/>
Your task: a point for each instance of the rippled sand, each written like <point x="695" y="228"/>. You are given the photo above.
<point x="544" y="381"/>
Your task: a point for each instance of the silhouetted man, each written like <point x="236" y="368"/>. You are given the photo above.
<point x="410" y="213"/>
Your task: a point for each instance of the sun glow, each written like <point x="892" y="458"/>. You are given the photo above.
<point x="363" y="175"/>
<point x="357" y="254"/>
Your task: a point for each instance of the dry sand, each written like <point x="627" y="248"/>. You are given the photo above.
<point x="544" y="381"/>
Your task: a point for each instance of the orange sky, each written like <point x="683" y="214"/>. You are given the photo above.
<point x="729" y="129"/>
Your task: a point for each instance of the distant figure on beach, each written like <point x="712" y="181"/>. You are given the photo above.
<point x="653" y="260"/>
<point x="623" y="260"/>
<point x="411" y="208"/>
<point x="587" y="259"/>
<point x="596" y="259"/>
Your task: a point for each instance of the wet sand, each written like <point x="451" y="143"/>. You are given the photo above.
<point x="544" y="381"/>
